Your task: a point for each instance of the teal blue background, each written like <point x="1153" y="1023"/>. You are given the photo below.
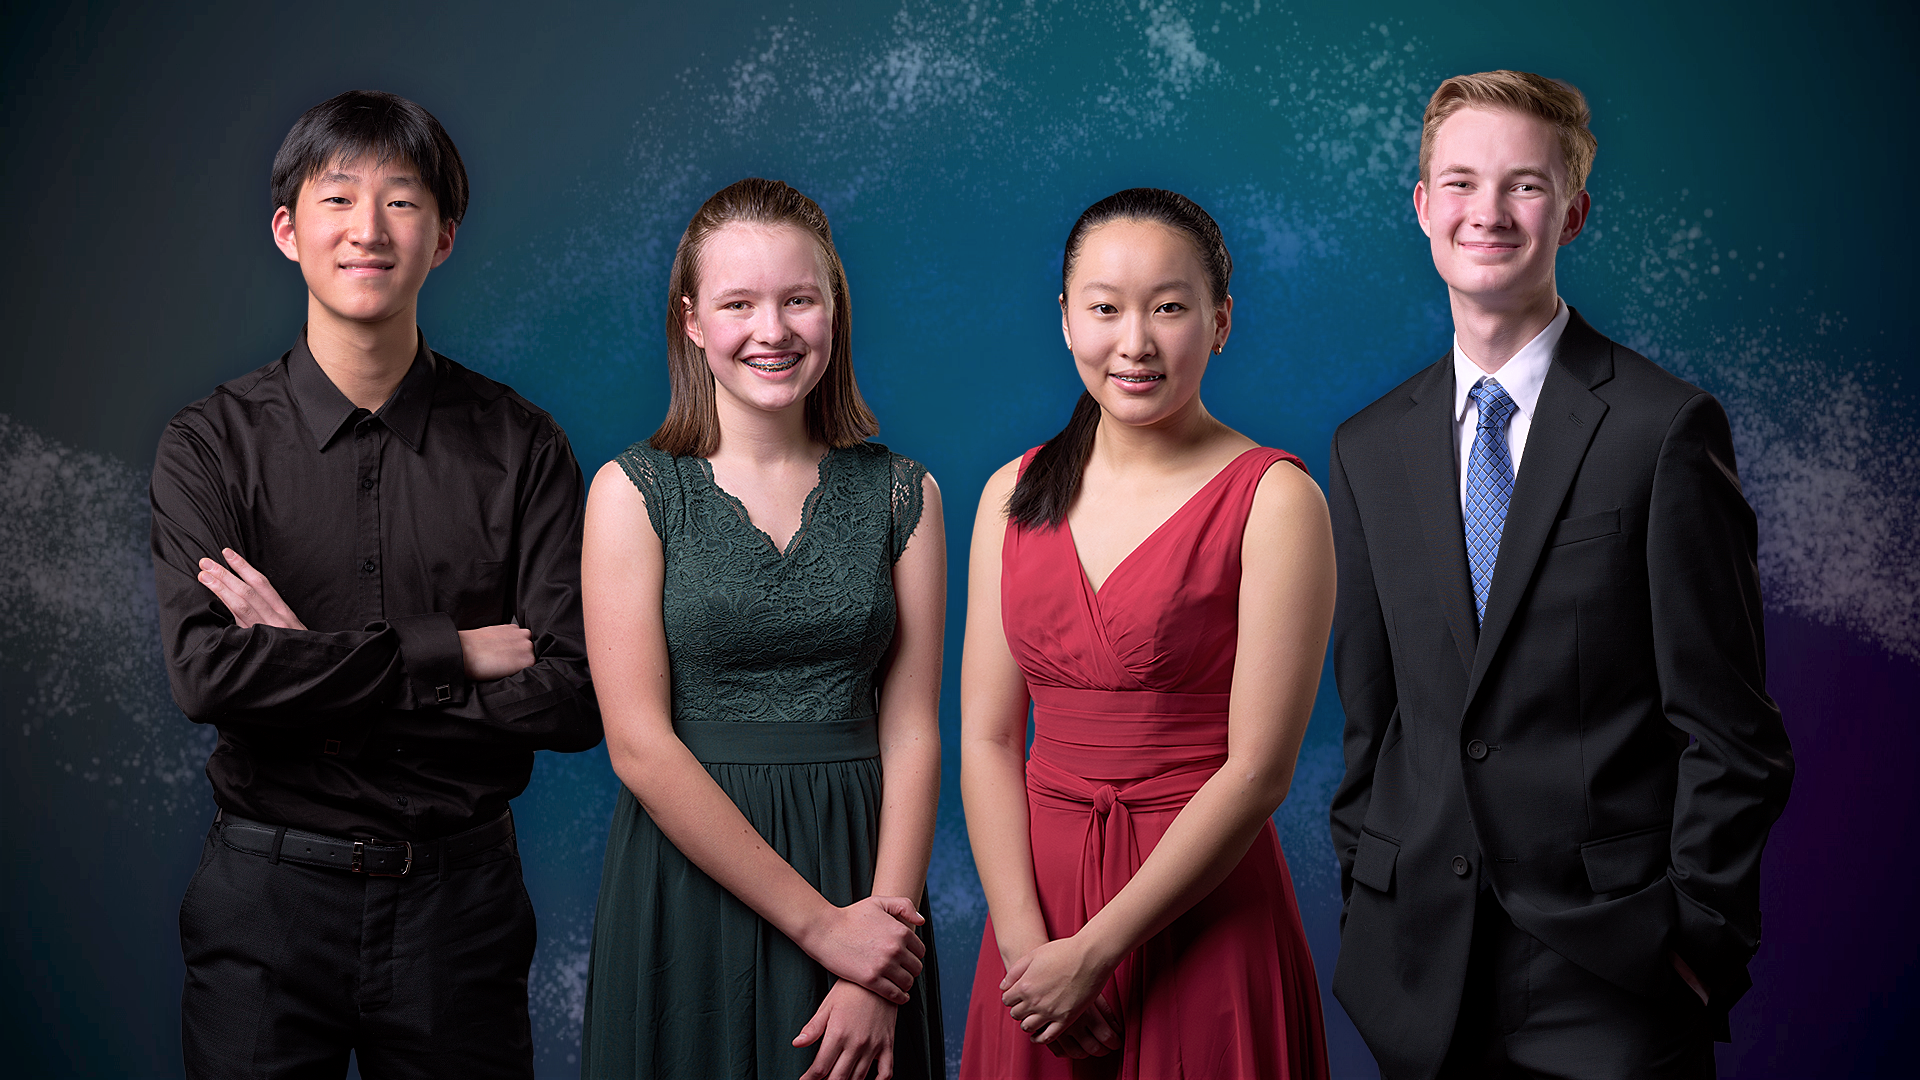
<point x="1750" y="230"/>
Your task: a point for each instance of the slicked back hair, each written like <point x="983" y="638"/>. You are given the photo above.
<point x="1553" y="100"/>
<point x="1047" y="489"/>
<point x="377" y="126"/>
<point x="836" y="414"/>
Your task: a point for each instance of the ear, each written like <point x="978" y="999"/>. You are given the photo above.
<point x="1420" y="207"/>
<point x="1222" y="322"/>
<point x="283" y="235"/>
<point x="1065" y="334"/>
<point x="1576" y="219"/>
<point x="443" y="246"/>
<point x="690" y="324"/>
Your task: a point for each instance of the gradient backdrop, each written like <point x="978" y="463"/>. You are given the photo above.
<point x="1750" y="231"/>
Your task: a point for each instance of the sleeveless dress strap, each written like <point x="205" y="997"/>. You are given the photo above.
<point x="643" y="465"/>
<point x="906" y="496"/>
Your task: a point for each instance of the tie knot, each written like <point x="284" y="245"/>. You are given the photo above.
<point x="1495" y="405"/>
<point x="1104" y="798"/>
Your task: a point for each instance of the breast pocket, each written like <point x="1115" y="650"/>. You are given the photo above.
<point x="1585" y="527"/>
<point x="478" y="595"/>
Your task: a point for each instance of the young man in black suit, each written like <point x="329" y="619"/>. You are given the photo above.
<point x="368" y="566"/>
<point x="1562" y="762"/>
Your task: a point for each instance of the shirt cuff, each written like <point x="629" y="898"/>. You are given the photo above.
<point x="432" y="673"/>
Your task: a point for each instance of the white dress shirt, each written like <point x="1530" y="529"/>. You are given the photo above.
<point x="1521" y="377"/>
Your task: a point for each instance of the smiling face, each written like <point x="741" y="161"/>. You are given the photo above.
<point x="1140" y="322"/>
<point x="764" y="316"/>
<point x="365" y="234"/>
<point x="1495" y="207"/>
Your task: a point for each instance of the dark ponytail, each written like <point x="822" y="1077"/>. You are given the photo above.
<point x="1047" y="489"/>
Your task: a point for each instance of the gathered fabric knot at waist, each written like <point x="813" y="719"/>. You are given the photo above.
<point x="1111" y="850"/>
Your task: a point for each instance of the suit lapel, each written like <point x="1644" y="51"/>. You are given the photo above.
<point x="1426" y="446"/>
<point x="1564" y="420"/>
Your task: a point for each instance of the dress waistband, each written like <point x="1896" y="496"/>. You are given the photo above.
<point x="747" y="742"/>
<point x="1126" y="734"/>
<point x="1071" y="699"/>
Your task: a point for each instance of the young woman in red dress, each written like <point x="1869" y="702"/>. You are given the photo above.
<point x="1159" y="588"/>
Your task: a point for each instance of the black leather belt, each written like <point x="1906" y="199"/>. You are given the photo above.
<point x="375" y="858"/>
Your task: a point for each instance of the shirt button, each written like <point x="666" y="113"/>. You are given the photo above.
<point x="367" y="484"/>
<point x="1476" y="749"/>
<point x="1460" y="865"/>
<point x="402" y="800"/>
<point x="367" y="566"/>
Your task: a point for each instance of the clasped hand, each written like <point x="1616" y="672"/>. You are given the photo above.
<point x="490" y="652"/>
<point x="871" y="946"/>
<point x="871" y="943"/>
<point x="1053" y="993"/>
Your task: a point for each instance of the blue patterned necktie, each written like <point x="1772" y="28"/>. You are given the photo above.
<point x="1489" y="487"/>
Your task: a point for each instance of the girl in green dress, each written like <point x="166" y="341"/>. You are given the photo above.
<point x="764" y="594"/>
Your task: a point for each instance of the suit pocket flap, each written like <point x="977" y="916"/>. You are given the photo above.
<point x="1373" y="862"/>
<point x="1623" y="863"/>
<point x="1584" y="527"/>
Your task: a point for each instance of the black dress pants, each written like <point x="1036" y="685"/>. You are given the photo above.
<point x="1530" y="1012"/>
<point x="291" y="967"/>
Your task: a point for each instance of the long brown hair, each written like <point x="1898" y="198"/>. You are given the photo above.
<point x="836" y="414"/>
<point x="1052" y="479"/>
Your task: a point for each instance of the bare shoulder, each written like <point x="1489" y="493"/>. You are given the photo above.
<point x="993" y="497"/>
<point x="615" y="507"/>
<point x="1286" y="491"/>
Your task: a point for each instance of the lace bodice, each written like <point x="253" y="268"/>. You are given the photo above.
<point x="757" y="635"/>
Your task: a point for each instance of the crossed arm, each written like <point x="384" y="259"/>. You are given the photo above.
<point x="870" y="944"/>
<point x="1286" y="603"/>
<point x="237" y="650"/>
<point x="488" y="653"/>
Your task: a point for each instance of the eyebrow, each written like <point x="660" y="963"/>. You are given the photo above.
<point x="799" y="287"/>
<point x="337" y="176"/>
<point x="1466" y="170"/>
<point x="1171" y="285"/>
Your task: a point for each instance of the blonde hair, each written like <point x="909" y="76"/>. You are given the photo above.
<point x="1553" y="100"/>
<point x="836" y="414"/>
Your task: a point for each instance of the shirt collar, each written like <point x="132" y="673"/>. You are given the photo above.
<point x="327" y="410"/>
<point x="1521" y="377"/>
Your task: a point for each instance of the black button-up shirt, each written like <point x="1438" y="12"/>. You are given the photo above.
<point x="456" y="506"/>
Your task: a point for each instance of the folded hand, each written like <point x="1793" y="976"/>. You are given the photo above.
<point x="871" y="943"/>
<point x="1048" y="989"/>
<point x="249" y="596"/>
<point x="855" y="1031"/>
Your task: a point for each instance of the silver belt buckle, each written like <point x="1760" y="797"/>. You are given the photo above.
<point x="359" y="858"/>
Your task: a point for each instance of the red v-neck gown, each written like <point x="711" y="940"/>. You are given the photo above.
<point x="1130" y="689"/>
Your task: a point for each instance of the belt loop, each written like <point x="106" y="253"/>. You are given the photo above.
<point x="279" y="837"/>
<point x="445" y="858"/>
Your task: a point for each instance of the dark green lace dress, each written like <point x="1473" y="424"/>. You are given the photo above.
<point x="776" y="665"/>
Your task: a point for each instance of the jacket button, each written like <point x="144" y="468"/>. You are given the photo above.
<point x="1460" y="866"/>
<point x="1476" y="749"/>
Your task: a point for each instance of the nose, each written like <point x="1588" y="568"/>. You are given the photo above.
<point x="1136" y="338"/>
<point x="1487" y="209"/>
<point x="366" y="226"/>
<point x="770" y="324"/>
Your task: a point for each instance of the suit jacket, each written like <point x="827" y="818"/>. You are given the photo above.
<point x="1601" y="749"/>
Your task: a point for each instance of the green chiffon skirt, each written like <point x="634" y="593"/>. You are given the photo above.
<point x="686" y="981"/>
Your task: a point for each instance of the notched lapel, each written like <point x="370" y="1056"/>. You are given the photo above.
<point x="1426" y="446"/>
<point x="1564" y="420"/>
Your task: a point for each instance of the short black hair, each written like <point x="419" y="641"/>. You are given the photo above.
<point x="370" y="123"/>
